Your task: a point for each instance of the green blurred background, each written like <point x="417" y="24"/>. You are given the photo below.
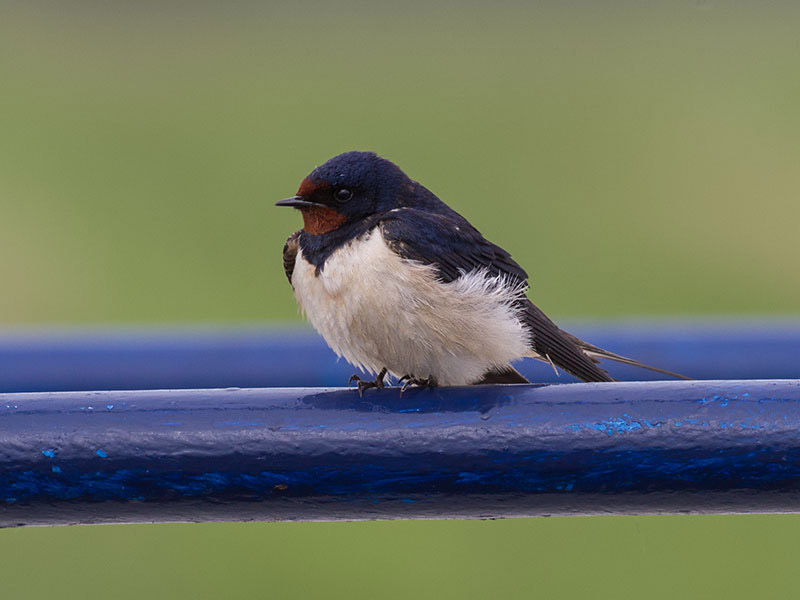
<point x="638" y="158"/>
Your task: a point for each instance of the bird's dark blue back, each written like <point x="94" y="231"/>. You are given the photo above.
<point x="415" y="222"/>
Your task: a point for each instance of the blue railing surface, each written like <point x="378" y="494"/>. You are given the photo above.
<point x="181" y="358"/>
<point x="317" y="453"/>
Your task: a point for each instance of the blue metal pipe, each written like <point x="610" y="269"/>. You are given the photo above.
<point x="478" y="452"/>
<point x="175" y="358"/>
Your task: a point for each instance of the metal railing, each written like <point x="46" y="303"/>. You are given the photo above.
<point x="326" y="454"/>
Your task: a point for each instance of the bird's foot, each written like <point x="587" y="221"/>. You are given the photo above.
<point x="365" y="385"/>
<point x="409" y="380"/>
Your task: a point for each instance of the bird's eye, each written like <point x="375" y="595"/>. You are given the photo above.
<point x="343" y="194"/>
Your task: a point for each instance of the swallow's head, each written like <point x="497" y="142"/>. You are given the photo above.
<point x="348" y="188"/>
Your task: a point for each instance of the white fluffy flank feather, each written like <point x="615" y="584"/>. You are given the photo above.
<point x="378" y="310"/>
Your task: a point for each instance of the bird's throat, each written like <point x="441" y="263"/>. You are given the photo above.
<point x="321" y="219"/>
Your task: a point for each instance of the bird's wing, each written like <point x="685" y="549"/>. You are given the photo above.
<point x="557" y="347"/>
<point x="449" y="243"/>
<point x="290" y="253"/>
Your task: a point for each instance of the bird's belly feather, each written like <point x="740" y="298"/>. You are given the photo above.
<point x="378" y="310"/>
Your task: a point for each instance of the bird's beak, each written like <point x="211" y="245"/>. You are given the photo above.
<point x="296" y="202"/>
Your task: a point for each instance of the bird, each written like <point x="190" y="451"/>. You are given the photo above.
<point x="400" y="284"/>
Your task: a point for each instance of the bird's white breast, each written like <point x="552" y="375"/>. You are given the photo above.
<point x="378" y="310"/>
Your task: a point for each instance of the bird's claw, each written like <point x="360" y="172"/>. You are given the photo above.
<point x="365" y="385"/>
<point x="409" y="380"/>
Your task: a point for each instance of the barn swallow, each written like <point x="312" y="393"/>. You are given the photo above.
<point x="398" y="282"/>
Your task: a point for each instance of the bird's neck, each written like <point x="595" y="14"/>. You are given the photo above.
<point x="318" y="247"/>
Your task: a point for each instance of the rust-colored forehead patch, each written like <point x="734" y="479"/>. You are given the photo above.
<point x="308" y="187"/>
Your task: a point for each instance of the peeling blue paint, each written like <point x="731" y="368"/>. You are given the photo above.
<point x="49" y="453"/>
<point x="101" y="453"/>
<point x="618" y="425"/>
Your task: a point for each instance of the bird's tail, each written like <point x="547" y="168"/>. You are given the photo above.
<point x="595" y="352"/>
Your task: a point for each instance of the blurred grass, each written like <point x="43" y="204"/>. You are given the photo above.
<point x="636" y="158"/>
<point x="659" y="558"/>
